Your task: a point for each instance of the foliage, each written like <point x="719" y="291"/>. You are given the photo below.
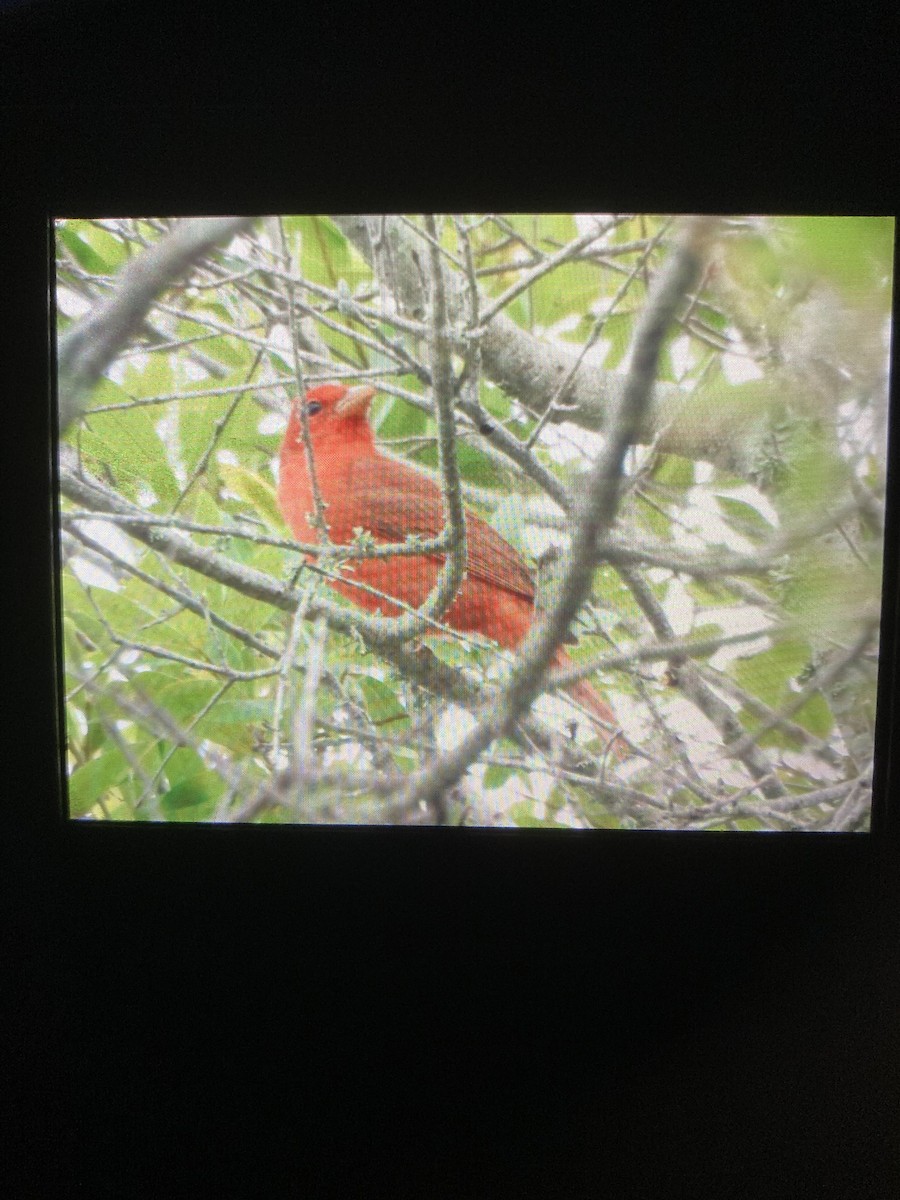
<point x="754" y="506"/>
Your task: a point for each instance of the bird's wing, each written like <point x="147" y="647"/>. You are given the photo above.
<point x="397" y="500"/>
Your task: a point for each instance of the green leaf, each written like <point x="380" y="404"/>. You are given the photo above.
<point x="325" y="255"/>
<point x="73" y="652"/>
<point x="109" y="246"/>
<point x="523" y="815"/>
<point x="86" y="256"/>
<point x="816" y="716"/>
<point x="123" y="614"/>
<point x="380" y="700"/>
<point x="655" y="518"/>
<point x="611" y="593"/>
<point x="242" y="712"/>
<point x="448" y="650"/>
<point x="231" y="351"/>
<point x="242" y="434"/>
<point x="90" y="782"/>
<point x="77" y="608"/>
<point x="182" y="763"/>
<point x="197" y="422"/>
<point x="495" y="402"/>
<point x="129" y="445"/>
<point x="228" y="348"/>
<point x="130" y="613"/>
<point x="154" y="378"/>
<point x="753" y="264"/>
<point x="816" y="477"/>
<point x="519" y="311"/>
<point x="856" y="253"/>
<point x="706" y="629"/>
<point x="194" y="798"/>
<point x="827" y="591"/>
<point x="617" y="330"/>
<point x="183" y="698"/>
<point x="744" y="517"/>
<point x="571" y="288"/>
<point x="673" y="471"/>
<point x="476" y="467"/>
<point x="525" y="224"/>
<point x="508" y="520"/>
<point x="398" y="419"/>
<point x="599" y="816"/>
<point x="260" y="495"/>
<point x="235" y="724"/>
<point x="495" y="776"/>
<point x="94" y="249"/>
<point x="405" y="760"/>
<point x="770" y="673"/>
<point x="708" y="595"/>
<point x="554" y="229"/>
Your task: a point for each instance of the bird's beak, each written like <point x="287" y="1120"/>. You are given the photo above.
<point x="356" y="401"/>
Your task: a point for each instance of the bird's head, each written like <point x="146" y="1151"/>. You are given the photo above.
<point x="331" y="409"/>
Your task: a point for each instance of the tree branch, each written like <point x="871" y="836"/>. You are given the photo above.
<point x="691" y="684"/>
<point x="712" y="424"/>
<point x="88" y="347"/>
<point x="597" y="512"/>
<point x="453" y="571"/>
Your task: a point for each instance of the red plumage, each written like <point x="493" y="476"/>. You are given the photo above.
<point x="363" y="489"/>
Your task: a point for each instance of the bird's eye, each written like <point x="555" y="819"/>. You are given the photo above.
<point x="313" y="407"/>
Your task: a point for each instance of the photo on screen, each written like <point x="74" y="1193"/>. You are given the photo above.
<point x="561" y="521"/>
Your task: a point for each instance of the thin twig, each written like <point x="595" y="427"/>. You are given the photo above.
<point x="88" y="347"/>
<point x="690" y="683"/>
<point x="819" y="681"/>
<point x="530" y="277"/>
<point x="558" y="397"/>
<point x="284" y="669"/>
<point x="305" y="713"/>
<point x="597" y="513"/>
<point x="318" y="518"/>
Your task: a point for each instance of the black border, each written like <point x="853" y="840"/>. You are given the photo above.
<point x="451" y="1012"/>
<point x="887" y="698"/>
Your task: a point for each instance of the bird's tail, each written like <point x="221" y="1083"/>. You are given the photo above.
<point x="602" y="715"/>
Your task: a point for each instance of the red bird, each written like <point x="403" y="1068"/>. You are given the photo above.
<point x="363" y="489"/>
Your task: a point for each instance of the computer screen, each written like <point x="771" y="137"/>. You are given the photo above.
<point x="564" y="521"/>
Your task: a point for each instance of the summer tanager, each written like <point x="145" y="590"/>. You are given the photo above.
<point x="363" y="489"/>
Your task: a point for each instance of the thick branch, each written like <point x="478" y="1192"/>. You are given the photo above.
<point x="453" y="571"/>
<point x="160" y="534"/>
<point x="422" y="668"/>
<point x="88" y="347"/>
<point x="711" y="424"/>
<point x="597" y="512"/>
